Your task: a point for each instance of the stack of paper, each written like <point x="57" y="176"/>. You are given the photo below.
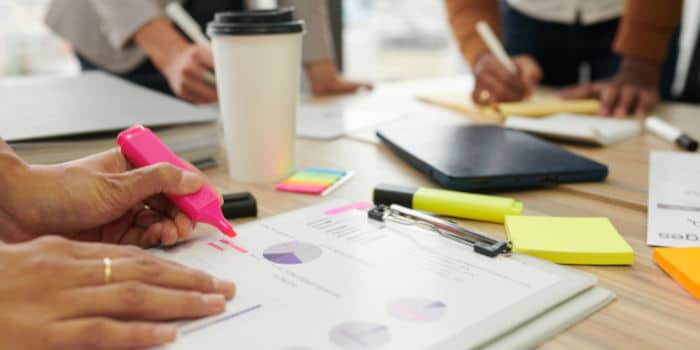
<point x="197" y="143"/>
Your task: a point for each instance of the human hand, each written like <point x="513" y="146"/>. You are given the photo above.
<point x="189" y="74"/>
<point x="325" y="79"/>
<point x="634" y="90"/>
<point x="55" y="295"/>
<point x="99" y="198"/>
<point x="494" y="83"/>
<point x="187" y="67"/>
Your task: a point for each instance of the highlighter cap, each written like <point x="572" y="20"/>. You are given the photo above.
<point x="393" y="194"/>
<point x="239" y="205"/>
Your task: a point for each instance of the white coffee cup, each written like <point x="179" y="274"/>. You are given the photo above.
<point x="257" y="57"/>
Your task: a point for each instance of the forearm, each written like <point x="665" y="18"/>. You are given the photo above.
<point x="646" y="28"/>
<point x="463" y="16"/>
<point x="10" y="164"/>
<point x="160" y="41"/>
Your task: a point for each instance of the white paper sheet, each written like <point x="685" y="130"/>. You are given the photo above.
<point x="329" y="121"/>
<point x="673" y="215"/>
<point x="307" y="280"/>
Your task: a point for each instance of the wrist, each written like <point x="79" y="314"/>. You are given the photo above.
<point x="640" y="70"/>
<point x="323" y="68"/>
<point x="12" y="170"/>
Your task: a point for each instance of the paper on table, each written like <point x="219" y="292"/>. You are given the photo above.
<point x="316" y="281"/>
<point x="582" y="128"/>
<point x="673" y="214"/>
<point x="329" y="121"/>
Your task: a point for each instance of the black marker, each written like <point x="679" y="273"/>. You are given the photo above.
<point x="670" y="133"/>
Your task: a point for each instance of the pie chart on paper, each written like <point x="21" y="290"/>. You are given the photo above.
<point x="417" y="309"/>
<point x="292" y="253"/>
<point x="360" y="335"/>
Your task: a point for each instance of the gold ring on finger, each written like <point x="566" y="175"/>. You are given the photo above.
<point x="108" y="269"/>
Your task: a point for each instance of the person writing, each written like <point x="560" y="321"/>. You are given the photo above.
<point x="65" y="294"/>
<point x="135" y="40"/>
<point x="551" y="42"/>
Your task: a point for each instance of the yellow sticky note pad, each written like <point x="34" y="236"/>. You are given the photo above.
<point x="581" y="241"/>
<point x="683" y="265"/>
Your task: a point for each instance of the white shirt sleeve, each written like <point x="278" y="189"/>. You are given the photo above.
<point x="121" y="19"/>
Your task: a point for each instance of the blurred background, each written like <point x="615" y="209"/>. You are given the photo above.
<point x="378" y="40"/>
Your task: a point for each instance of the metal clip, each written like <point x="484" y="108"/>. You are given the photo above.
<point x="483" y="244"/>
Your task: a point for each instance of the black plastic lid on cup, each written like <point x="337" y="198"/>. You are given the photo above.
<point x="277" y="21"/>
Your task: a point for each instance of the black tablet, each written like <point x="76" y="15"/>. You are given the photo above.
<point x="484" y="157"/>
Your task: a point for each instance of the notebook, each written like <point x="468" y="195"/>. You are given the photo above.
<point x="584" y="241"/>
<point x="580" y="128"/>
<point x="313" y="280"/>
<point x="480" y="157"/>
<point x="683" y="265"/>
<point x="541" y="106"/>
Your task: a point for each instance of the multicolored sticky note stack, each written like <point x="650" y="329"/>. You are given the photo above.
<point x="315" y="181"/>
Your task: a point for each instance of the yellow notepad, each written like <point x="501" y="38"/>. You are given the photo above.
<point x="583" y="241"/>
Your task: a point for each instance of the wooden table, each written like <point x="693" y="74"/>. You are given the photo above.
<point x="651" y="311"/>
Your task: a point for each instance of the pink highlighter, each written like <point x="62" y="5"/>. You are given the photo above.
<point x="142" y="148"/>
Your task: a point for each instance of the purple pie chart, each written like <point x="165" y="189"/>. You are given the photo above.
<point x="292" y="253"/>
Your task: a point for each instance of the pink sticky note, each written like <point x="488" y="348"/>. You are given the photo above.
<point x="345" y="208"/>
<point x="300" y="188"/>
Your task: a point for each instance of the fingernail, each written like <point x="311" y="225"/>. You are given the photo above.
<point x="165" y="333"/>
<point x="213" y="299"/>
<point x="228" y="288"/>
<point x="190" y="180"/>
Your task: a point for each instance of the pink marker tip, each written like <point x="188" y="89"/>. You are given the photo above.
<point x="230" y="233"/>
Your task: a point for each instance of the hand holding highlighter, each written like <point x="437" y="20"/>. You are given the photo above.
<point x="142" y="148"/>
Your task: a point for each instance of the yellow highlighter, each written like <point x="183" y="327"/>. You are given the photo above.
<point x="450" y="203"/>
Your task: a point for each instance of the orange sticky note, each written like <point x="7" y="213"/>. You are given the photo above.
<point x="683" y="265"/>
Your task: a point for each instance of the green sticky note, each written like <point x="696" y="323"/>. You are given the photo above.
<point x="582" y="241"/>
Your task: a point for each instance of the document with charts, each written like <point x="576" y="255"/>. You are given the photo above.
<point x="673" y="214"/>
<point x="310" y="280"/>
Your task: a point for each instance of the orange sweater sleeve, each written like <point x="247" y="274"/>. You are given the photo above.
<point x="646" y="28"/>
<point x="463" y="15"/>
